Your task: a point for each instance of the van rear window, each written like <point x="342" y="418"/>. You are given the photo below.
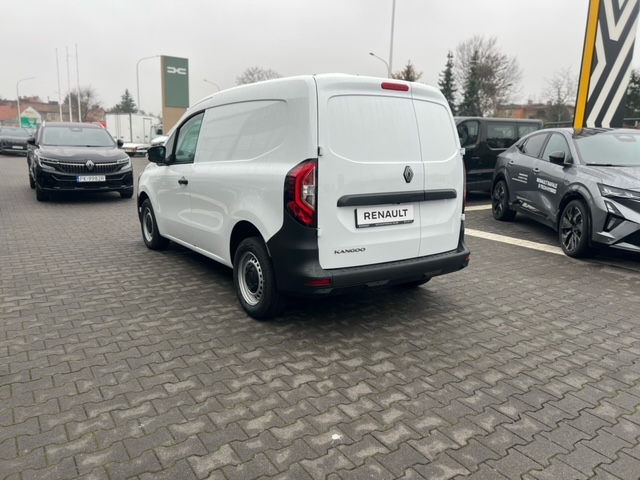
<point x="373" y="128"/>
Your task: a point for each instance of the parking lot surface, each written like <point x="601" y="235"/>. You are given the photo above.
<point x="118" y="362"/>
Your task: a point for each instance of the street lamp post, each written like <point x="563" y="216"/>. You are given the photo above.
<point x="214" y="84"/>
<point x="393" y="21"/>
<point x="383" y="61"/>
<point x="138" y="76"/>
<point x="18" y="95"/>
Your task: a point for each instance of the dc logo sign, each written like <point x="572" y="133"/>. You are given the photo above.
<point x="177" y="70"/>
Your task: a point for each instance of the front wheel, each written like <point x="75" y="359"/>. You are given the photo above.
<point x="500" y="202"/>
<point x="255" y="280"/>
<point x="32" y="183"/>
<point x="574" y="230"/>
<point x="150" y="233"/>
<point x="41" y="195"/>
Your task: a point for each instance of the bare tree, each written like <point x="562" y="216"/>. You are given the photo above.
<point x="498" y="75"/>
<point x="256" y="74"/>
<point x="560" y="92"/>
<point x="88" y="101"/>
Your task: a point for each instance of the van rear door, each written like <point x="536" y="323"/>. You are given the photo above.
<point x="372" y="176"/>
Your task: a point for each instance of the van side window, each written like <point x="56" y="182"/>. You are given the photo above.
<point x="243" y="131"/>
<point x="468" y="133"/>
<point x="501" y="135"/>
<point x="556" y="143"/>
<point x="533" y="145"/>
<point x="187" y="139"/>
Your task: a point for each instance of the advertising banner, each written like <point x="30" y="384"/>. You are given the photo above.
<point x="606" y="63"/>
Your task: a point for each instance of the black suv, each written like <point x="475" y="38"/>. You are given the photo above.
<point x="65" y="156"/>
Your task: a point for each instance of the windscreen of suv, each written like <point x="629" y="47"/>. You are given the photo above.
<point x="64" y="136"/>
<point x="610" y="149"/>
<point x="14" y="132"/>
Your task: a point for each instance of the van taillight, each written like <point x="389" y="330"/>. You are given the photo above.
<point x="464" y="187"/>
<point x="300" y="196"/>
<point x="401" y="87"/>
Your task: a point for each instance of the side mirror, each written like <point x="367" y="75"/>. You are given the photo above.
<point x="157" y="154"/>
<point x="31" y="141"/>
<point x="557" y="158"/>
<point x="120" y="143"/>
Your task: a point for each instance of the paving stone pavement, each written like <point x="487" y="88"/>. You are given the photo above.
<point x="117" y="362"/>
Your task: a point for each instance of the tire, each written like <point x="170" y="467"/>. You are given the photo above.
<point x="32" y="183"/>
<point x="41" y="195"/>
<point x="126" y="193"/>
<point x="255" y="280"/>
<point x="150" y="233"/>
<point x="574" y="230"/>
<point x="500" y="202"/>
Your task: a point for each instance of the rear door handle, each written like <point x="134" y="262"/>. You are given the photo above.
<point x="183" y="181"/>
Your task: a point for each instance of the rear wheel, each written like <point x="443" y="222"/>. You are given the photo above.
<point x="150" y="233"/>
<point x="500" y="202"/>
<point x="574" y="229"/>
<point x="255" y="280"/>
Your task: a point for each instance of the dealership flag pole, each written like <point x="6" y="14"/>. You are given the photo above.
<point x="78" y="81"/>
<point x="69" y="87"/>
<point x="606" y="63"/>
<point x="59" y="99"/>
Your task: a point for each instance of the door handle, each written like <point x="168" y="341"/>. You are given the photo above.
<point x="183" y="181"/>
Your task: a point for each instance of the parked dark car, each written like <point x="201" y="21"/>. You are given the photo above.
<point x="66" y="156"/>
<point x="483" y="139"/>
<point x="584" y="183"/>
<point x="13" y="140"/>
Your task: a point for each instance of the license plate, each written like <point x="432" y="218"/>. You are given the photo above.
<point x="17" y="147"/>
<point x="380" y="216"/>
<point x="91" y="178"/>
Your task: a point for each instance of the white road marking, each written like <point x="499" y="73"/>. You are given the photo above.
<point x="477" y="207"/>
<point x="513" y="241"/>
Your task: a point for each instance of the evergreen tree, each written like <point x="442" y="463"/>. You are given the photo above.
<point x="447" y="83"/>
<point x="632" y="109"/>
<point x="470" y="106"/>
<point x="126" y="105"/>
<point x="409" y="73"/>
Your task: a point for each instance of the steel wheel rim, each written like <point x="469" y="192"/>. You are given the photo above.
<point x="251" y="278"/>
<point x="498" y="199"/>
<point x="572" y="228"/>
<point x="148" y="226"/>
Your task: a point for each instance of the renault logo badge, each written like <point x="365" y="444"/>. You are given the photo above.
<point x="408" y="174"/>
<point x="90" y="165"/>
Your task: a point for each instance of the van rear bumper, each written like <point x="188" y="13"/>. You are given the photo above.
<point x="294" y="251"/>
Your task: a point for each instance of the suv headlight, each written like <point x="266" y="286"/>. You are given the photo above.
<point x="615" y="192"/>
<point x="124" y="162"/>
<point x="47" y="162"/>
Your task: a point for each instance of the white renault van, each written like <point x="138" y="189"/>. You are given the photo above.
<point x="312" y="185"/>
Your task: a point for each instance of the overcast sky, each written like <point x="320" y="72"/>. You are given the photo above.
<point x="223" y="38"/>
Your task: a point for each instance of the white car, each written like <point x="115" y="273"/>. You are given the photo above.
<point x="312" y="185"/>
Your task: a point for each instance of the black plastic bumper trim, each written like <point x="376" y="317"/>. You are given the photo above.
<point x="395" y="197"/>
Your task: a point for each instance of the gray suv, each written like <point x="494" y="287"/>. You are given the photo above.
<point x="584" y="183"/>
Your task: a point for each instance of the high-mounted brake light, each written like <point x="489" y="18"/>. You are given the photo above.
<point x="401" y="87"/>
<point x="300" y="193"/>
